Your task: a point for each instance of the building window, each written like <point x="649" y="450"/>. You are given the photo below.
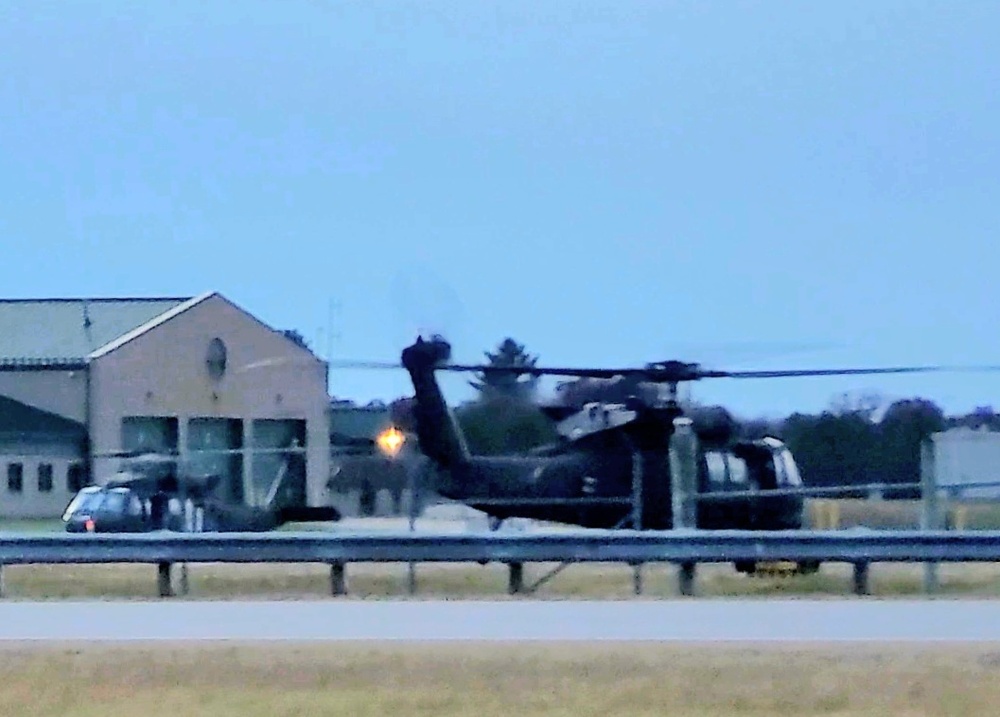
<point x="44" y="477"/>
<point x="15" y="477"/>
<point x="76" y="477"/>
<point x="156" y="434"/>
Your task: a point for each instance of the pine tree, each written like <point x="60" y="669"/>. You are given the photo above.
<point x="507" y="384"/>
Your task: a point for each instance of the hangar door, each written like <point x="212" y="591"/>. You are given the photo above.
<point x="215" y="447"/>
<point x="278" y="462"/>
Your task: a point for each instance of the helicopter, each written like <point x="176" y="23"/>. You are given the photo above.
<point x="606" y="451"/>
<point x="151" y="492"/>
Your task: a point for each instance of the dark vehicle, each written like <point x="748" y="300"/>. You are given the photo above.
<point x="607" y="450"/>
<point x="151" y="493"/>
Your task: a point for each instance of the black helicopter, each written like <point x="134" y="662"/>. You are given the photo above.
<point x="606" y="449"/>
<point x="152" y="492"/>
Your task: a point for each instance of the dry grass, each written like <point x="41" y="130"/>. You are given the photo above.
<point x="367" y="581"/>
<point x="483" y="680"/>
<point x="903" y="514"/>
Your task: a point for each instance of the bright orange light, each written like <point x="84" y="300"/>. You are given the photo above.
<point x="391" y="440"/>
<point x="89" y="525"/>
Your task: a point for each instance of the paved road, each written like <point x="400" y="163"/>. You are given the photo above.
<point x="684" y="620"/>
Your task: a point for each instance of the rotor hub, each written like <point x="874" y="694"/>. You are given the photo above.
<point x="672" y="372"/>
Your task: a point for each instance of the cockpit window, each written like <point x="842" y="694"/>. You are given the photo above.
<point x="737" y="469"/>
<point x="87" y="500"/>
<point x="716" y="464"/>
<point x="791" y="470"/>
<point x="115" y="501"/>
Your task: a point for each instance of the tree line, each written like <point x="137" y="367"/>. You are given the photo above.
<point x="853" y="442"/>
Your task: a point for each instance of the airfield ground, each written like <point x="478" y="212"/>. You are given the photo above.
<point x="847" y="680"/>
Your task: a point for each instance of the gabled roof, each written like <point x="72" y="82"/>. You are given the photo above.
<point x="68" y="333"/>
<point x="20" y="418"/>
<point x="179" y="309"/>
<point x="54" y="332"/>
<point x="152" y="323"/>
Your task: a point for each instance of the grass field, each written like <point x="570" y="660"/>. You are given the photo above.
<point x="462" y="680"/>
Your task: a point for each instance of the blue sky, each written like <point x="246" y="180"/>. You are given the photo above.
<point x="607" y="182"/>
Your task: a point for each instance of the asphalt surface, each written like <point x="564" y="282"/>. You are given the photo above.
<point x="660" y="620"/>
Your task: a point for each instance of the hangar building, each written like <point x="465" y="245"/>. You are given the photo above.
<point x="81" y="378"/>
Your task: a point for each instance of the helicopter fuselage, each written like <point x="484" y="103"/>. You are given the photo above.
<point x="598" y="482"/>
<point x="611" y="469"/>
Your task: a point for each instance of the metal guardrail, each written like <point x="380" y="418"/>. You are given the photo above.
<point x="621" y="546"/>
<point x="685" y="548"/>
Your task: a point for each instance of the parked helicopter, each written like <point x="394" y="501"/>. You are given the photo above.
<point x="153" y="492"/>
<point x="589" y="477"/>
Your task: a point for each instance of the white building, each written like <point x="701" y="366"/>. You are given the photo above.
<point x="963" y="456"/>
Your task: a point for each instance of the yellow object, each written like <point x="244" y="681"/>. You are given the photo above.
<point x="391" y="441"/>
<point x="960" y="514"/>
<point x="776" y="568"/>
<point x="825" y="514"/>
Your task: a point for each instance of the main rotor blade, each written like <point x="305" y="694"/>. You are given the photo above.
<point x="485" y="368"/>
<point x="680" y="373"/>
<point x="545" y="371"/>
<point x="365" y="365"/>
<point x="849" y="371"/>
<point x="666" y="373"/>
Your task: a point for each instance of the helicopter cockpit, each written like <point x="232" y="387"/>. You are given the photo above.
<point x="116" y="509"/>
<point x="760" y="465"/>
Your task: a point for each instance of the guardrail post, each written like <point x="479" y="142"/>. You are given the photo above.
<point x="683" y="473"/>
<point x="185" y="585"/>
<point x="685" y="578"/>
<point x="861" y="578"/>
<point x="515" y="580"/>
<point x="3" y="590"/>
<point x="636" y="490"/>
<point x="414" y="472"/>
<point x="930" y="518"/>
<point x="637" y="509"/>
<point x="163" y="580"/>
<point x="338" y="578"/>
